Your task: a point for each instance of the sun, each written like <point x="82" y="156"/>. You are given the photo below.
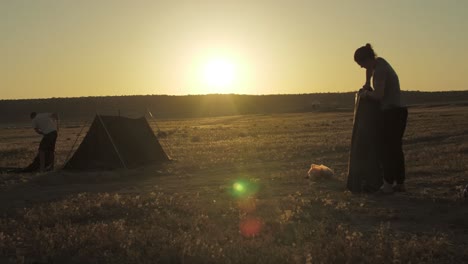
<point x="219" y="75"/>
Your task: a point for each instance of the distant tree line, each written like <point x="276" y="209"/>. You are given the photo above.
<point x="165" y="106"/>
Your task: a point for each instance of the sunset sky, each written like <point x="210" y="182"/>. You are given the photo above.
<point x="70" y="48"/>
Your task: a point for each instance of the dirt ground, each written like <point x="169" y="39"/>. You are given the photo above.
<point x="274" y="151"/>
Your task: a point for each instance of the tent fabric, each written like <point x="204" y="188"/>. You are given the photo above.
<point x="364" y="172"/>
<point x="117" y="142"/>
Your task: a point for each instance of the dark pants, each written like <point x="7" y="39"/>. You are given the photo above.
<point x="47" y="146"/>
<point x="392" y="159"/>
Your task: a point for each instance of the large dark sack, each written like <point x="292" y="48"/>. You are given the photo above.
<point x="364" y="171"/>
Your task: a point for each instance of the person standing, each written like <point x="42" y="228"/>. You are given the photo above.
<point x="46" y="124"/>
<point x="392" y="123"/>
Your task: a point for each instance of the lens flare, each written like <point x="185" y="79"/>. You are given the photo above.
<point x="244" y="188"/>
<point x="250" y="227"/>
<point x="244" y="191"/>
<point x="239" y="187"/>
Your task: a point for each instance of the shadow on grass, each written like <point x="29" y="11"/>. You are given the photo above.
<point x="35" y="188"/>
<point x="410" y="212"/>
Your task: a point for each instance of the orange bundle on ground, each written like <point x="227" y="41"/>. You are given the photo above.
<point x="320" y="171"/>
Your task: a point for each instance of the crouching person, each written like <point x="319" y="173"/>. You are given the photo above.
<point x="46" y="124"/>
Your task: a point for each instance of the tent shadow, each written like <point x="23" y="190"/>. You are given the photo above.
<point x="102" y="177"/>
<point x="56" y="185"/>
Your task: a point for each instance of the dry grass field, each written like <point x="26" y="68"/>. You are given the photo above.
<point x="188" y="211"/>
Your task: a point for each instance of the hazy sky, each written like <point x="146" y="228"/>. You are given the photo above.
<point x="68" y="48"/>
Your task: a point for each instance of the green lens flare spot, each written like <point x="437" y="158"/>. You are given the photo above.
<point x="242" y="188"/>
<point x="239" y="187"/>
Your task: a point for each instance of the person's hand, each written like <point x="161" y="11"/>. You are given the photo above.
<point x="38" y="131"/>
<point x="367" y="87"/>
<point x="363" y="92"/>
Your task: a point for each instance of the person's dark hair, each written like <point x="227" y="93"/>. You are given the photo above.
<point x="33" y="115"/>
<point x="364" y="53"/>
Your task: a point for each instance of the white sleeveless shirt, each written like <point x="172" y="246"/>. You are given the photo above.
<point x="44" y="122"/>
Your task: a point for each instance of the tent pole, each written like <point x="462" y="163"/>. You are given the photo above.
<point x="164" y="144"/>
<point x="154" y="119"/>
<point x="112" y="142"/>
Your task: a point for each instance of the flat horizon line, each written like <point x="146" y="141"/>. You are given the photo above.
<point x="211" y="94"/>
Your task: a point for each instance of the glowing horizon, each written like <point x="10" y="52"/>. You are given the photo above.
<point x="73" y="49"/>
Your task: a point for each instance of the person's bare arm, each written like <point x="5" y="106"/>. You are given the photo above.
<point x="38" y="131"/>
<point x="367" y="85"/>
<point x="36" y="128"/>
<point x="379" y="87"/>
<point x="55" y="117"/>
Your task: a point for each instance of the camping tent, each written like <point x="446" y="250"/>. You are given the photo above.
<point x="117" y="142"/>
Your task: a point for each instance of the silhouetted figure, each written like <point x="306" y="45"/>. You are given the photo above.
<point x="393" y="118"/>
<point x="46" y="124"/>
